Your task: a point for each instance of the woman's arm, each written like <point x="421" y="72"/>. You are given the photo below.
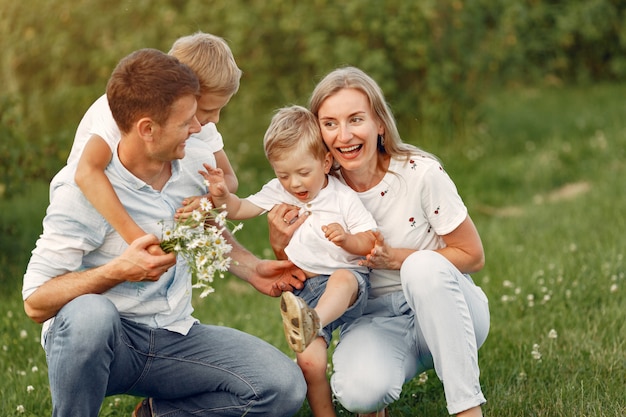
<point x="283" y="220"/>
<point x="463" y="249"/>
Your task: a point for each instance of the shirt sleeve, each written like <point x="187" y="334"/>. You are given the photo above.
<point x="441" y="201"/>
<point x="64" y="242"/>
<point x="98" y="120"/>
<point x="211" y="136"/>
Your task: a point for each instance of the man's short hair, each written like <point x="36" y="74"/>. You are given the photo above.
<point x="147" y="83"/>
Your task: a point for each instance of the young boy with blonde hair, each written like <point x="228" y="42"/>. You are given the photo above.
<point x="97" y="135"/>
<point x="327" y="246"/>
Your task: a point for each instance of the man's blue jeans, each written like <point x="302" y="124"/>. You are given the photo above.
<point x="93" y="353"/>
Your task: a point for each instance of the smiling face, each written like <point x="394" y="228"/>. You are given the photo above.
<point x="301" y="174"/>
<point x="170" y="137"/>
<point x="350" y="129"/>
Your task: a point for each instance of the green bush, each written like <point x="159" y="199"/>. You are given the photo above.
<point x="433" y="59"/>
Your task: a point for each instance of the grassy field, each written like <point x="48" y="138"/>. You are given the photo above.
<point x="543" y="177"/>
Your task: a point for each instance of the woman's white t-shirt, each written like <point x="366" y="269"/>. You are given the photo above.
<point x="414" y="205"/>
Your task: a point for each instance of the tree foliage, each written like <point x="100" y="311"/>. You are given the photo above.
<point x="433" y="58"/>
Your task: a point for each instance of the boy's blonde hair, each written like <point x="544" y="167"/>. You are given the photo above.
<point x="211" y="59"/>
<point x="293" y="127"/>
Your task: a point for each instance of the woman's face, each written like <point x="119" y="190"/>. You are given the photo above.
<point x="350" y="129"/>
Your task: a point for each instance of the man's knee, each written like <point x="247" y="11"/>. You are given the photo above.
<point x="90" y="318"/>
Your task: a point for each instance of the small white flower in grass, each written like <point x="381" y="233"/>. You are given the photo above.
<point x="552" y="334"/>
<point x="535" y="352"/>
<point x="423" y="377"/>
<point x="34" y="369"/>
<point x="23" y="334"/>
<point x="199" y="241"/>
<point x="30" y="388"/>
<point x="20" y="409"/>
<point x="614" y="288"/>
<point x="507" y="284"/>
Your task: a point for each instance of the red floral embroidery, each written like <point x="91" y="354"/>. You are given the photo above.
<point x="437" y="210"/>
<point x="412" y="221"/>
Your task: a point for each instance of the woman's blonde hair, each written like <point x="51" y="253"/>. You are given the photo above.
<point x="211" y="59"/>
<point x="355" y="78"/>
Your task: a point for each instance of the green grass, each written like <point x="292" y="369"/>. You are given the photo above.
<point x="543" y="178"/>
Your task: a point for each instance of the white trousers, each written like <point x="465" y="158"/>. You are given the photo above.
<point x="438" y="320"/>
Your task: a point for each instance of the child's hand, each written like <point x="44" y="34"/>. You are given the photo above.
<point x="215" y="181"/>
<point x="189" y="205"/>
<point x="335" y="233"/>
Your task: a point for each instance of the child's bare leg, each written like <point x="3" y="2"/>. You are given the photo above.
<point x="313" y="362"/>
<point x="341" y="292"/>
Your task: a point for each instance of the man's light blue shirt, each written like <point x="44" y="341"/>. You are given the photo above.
<point x="76" y="237"/>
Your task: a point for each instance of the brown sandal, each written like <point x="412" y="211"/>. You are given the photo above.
<point x="300" y="322"/>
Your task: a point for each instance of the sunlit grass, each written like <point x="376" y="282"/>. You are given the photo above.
<point x="543" y="179"/>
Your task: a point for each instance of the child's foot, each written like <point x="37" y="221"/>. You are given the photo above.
<point x="300" y="321"/>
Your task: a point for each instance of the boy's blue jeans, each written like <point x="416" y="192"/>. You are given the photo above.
<point x="93" y="353"/>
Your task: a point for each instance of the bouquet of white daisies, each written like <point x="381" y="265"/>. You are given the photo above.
<point x="198" y="239"/>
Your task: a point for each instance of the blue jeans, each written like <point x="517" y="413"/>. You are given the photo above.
<point x="211" y="371"/>
<point x="315" y="287"/>
<point x="438" y="320"/>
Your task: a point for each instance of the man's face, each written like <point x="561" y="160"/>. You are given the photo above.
<point x="170" y="138"/>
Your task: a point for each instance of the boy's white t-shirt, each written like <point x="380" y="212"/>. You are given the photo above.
<point x="308" y="248"/>
<point x="98" y="120"/>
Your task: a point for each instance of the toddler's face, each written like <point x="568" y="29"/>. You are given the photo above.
<point x="302" y="175"/>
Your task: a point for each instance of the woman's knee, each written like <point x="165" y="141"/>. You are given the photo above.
<point x="419" y="272"/>
<point x="365" y="392"/>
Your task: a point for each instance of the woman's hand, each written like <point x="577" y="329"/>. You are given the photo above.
<point x="383" y="256"/>
<point x="283" y="220"/>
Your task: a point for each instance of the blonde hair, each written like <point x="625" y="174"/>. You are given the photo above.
<point x="211" y="59"/>
<point x="293" y="127"/>
<point x="355" y="78"/>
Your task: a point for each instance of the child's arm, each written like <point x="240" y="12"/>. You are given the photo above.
<point x="237" y="208"/>
<point x="359" y="243"/>
<point x="97" y="188"/>
<point x="230" y="178"/>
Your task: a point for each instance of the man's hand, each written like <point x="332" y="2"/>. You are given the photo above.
<point x="138" y="264"/>
<point x="274" y="277"/>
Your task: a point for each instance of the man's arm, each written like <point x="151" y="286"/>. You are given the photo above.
<point x="134" y="264"/>
<point x="267" y="276"/>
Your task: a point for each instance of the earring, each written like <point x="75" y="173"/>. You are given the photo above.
<point x="381" y="144"/>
